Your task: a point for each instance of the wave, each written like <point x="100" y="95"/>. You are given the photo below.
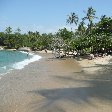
<point x="31" y="57"/>
<point x="4" y="70"/>
<point x="22" y="64"/>
<point x="27" y="53"/>
<point x="4" y="67"/>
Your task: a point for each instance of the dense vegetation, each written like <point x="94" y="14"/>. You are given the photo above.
<point x="89" y="37"/>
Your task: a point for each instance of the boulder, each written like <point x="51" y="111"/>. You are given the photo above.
<point x="26" y="49"/>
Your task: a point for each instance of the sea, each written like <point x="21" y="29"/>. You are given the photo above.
<point x="11" y="60"/>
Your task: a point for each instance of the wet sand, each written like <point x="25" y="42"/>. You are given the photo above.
<point x="53" y="85"/>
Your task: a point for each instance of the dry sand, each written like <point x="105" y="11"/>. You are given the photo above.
<point x="53" y="85"/>
<point x="95" y="65"/>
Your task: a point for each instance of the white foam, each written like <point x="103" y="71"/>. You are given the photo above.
<point x="22" y="64"/>
<point x="23" y="52"/>
<point x="27" y="53"/>
<point x="4" y="67"/>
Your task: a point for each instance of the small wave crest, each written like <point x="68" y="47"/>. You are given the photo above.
<point x="20" y="65"/>
<point x="4" y="67"/>
<point x="27" y="53"/>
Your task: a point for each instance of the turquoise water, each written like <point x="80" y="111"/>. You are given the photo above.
<point x="10" y="60"/>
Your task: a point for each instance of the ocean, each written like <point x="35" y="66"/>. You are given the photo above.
<point x="10" y="60"/>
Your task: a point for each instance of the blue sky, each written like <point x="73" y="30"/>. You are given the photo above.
<point x="46" y="15"/>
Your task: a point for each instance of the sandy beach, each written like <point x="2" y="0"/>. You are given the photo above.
<point x="58" y="85"/>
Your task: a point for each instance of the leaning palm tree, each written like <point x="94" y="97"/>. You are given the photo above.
<point x="73" y="18"/>
<point x="90" y="15"/>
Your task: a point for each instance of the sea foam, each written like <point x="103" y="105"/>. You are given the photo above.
<point x="22" y="64"/>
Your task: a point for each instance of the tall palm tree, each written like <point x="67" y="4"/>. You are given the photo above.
<point x="90" y="15"/>
<point x="73" y="18"/>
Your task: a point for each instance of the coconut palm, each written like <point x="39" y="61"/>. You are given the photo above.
<point x="90" y="15"/>
<point x="73" y="18"/>
<point x="8" y="30"/>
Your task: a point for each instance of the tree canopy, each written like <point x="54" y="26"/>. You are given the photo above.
<point x="87" y="38"/>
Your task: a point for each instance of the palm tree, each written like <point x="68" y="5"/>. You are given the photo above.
<point x="73" y="18"/>
<point x="81" y="28"/>
<point x="90" y="15"/>
<point x="8" y="30"/>
<point x="18" y="30"/>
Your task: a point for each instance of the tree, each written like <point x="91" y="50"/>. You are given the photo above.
<point x="81" y="28"/>
<point x="90" y="15"/>
<point x="104" y="25"/>
<point x="8" y="30"/>
<point x="65" y="34"/>
<point x="7" y="40"/>
<point x="2" y="37"/>
<point x="73" y="18"/>
<point x="17" y="31"/>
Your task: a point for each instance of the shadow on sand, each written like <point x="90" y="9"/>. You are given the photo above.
<point x="58" y="100"/>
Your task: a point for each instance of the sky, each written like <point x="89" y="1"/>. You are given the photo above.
<point x="46" y="16"/>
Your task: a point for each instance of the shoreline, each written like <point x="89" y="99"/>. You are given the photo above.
<point x="55" y="85"/>
<point x="21" y="64"/>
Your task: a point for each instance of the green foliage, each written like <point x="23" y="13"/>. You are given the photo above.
<point x="65" y="34"/>
<point x="73" y="18"/>
<point x="87" y="38"/>
<point x="104" y="26"/>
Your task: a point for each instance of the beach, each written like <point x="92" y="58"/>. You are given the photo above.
<point x="58" y="85"/>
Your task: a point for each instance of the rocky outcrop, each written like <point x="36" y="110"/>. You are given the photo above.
<point x="1" y="48"/>
<point x="26" y="49"/>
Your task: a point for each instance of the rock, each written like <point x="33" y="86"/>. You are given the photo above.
<point x="27" y="49"/>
